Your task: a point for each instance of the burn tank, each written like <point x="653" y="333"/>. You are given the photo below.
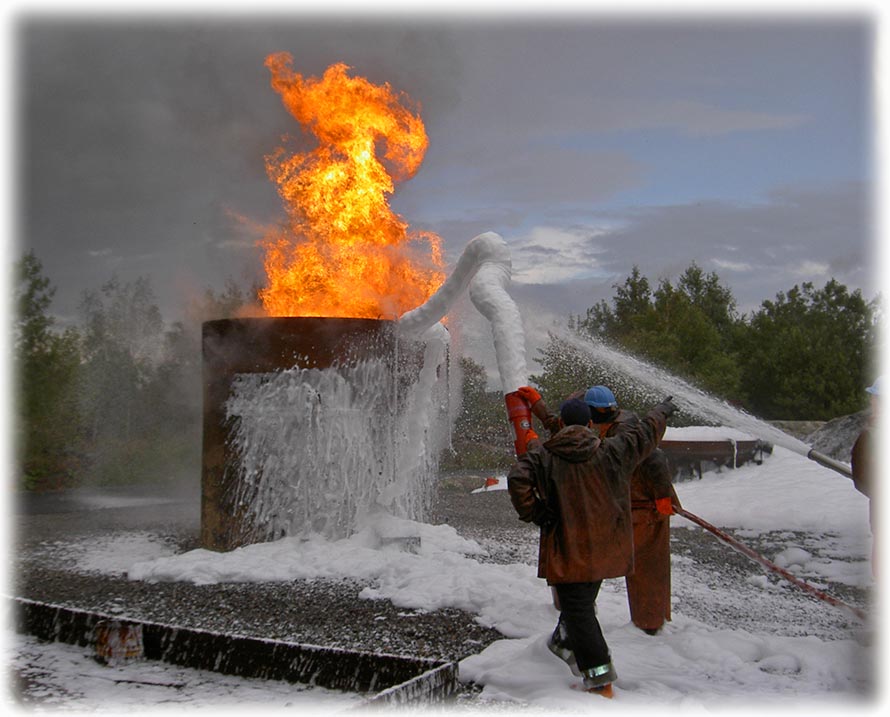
<point x="311" y="423"/>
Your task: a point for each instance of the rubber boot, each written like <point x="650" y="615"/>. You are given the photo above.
<point x="558" y="645"/>
<point x="597" y="678"/>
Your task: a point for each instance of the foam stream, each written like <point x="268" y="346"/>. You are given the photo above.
<point x="484" y="267"/>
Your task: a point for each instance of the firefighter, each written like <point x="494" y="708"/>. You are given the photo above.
<point x="653" y="501"/>
<point x="575" y="486"/>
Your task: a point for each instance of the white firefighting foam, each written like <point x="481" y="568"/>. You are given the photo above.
<point x="485" y="267"/>
<point x="321" y="449"/>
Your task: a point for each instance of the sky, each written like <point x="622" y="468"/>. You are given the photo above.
<point x="591" y="142"/>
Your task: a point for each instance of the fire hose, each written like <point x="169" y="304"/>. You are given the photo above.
<point x="757" y="558"/>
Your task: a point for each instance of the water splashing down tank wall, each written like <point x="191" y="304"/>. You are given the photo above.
<point x="311" y="424"/>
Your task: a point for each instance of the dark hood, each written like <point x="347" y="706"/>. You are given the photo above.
<point x="574" y="444"/>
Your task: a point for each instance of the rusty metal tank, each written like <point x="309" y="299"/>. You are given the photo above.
<point x="263" y="345"/>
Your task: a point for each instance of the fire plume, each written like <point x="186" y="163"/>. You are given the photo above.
<point x="343" y="252"/>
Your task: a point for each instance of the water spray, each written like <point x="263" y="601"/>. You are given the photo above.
<point x="696" y="401"/>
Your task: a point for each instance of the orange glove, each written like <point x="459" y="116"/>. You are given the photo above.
<point x="664" y="506"/>
<point x="529" y="394"/>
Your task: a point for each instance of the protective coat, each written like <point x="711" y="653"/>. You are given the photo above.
<point x="649" y="587"/>
<point x="576" y="486"/>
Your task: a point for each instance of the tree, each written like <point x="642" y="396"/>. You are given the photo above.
<point x="47" y="365"/>
<point x="805" y="355"/>
<point x="809" y="353"/>
<point x="631" y="304"/>
<point x="33" y="297"/>
<point x="690" y="329"/>
<point x="231" y="302"/>
<point x="123" y="342"/>
<point x="118" y="399"/>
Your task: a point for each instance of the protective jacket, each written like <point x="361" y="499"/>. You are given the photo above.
<point x="649" y="587"/>
<point x="576" y="486"/>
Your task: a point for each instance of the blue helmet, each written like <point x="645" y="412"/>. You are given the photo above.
<point x="600" y="397"/>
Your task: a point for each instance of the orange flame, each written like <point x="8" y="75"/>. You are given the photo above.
<point x="344" y="252"/>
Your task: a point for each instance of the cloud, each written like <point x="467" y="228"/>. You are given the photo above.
<point x="549" y="255"/>
<point x="757" y="250"/>
<point x="703" y="119"/>
<point x="731" y="265"/>
<point x="150" y="136"/>
<point x="808" y="269"/>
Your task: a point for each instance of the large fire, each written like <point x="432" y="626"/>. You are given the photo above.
<point x="344" y="252"/>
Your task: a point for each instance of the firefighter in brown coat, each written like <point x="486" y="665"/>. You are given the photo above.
<point x="576" y="487"/>
<point x="653" y="501"/>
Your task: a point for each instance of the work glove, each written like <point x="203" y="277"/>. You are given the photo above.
<point x="667" y="407"/>
<point x="530" y="394"/>
<point x="664" y="506"/>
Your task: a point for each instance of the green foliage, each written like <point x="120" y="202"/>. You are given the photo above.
<point x="33" y="297"/>
<point x="805" y="356"/>
<point x="809" y="354"/>
<point x="47" y="365"/>
<point x="118" y="399"/>
<point x="232" y="301"/>
<point x="121" y="345"/>
<point x="139" y="388"/>
<point x="690" y="329"/>
<point x="566" y="369"/>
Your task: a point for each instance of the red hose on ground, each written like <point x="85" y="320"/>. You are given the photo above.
<point x="756" y="557"/>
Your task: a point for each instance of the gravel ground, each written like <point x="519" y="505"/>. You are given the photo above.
<point x="327" y="612"/>
<point x="319" y="612"/>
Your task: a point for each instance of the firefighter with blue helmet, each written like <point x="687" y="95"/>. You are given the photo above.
<point x="653" y="501"/>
